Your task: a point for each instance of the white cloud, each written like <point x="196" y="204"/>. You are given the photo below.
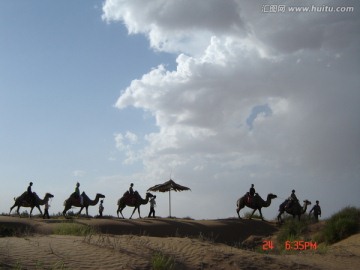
<point x="245" y="59"/>
<point x="79" y="173"/>
<point x="125" y="144"/>
<point x="174" y="26"/>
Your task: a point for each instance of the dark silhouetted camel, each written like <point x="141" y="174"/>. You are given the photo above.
<point x="72" y="201"/>
<point x="132" y="201"/>
<point x="295" y="210"/>
<point x="257" y="203"/>
<point x="23" y="201"/>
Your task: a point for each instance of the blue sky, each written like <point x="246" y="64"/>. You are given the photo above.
<point x="112" y="92"/>
<point x="62" y="70"/>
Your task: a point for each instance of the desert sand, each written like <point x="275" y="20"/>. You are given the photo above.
<point x="131" y="244"/>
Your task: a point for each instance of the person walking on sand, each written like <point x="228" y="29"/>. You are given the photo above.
<point x="152" y="207"/>
<point x="46" y="212"/>
<point x="101" y="208"/>
<point x="317" y="211"/>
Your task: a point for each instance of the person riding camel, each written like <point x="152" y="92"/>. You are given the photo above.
<point x="131" y="190"/>
<point x="131" y="194"/>
<point x="291" y="200"/>
<point x="77" y="193"/>
<point x="251" y="194"/>
<point x="30" y="194"/>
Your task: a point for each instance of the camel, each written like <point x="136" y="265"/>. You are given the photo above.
<point x="22" y="201"/>
<point x="73" y="201"/>
<point x="257" y="203"/>
<point x="295" y="210"/>
<point x="138" y="201"/>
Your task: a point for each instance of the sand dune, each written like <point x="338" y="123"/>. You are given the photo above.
<point x="131" y="244"/>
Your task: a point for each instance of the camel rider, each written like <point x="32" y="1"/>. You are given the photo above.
<point x="77" y="193"/>
<point x="30" y="194"/>
<point x="131" y="197"/>
<point x="131" y="190"/>
<point x="292" y="199"/>
<point x="252" y="190"/>
<point x="251" y="193"/>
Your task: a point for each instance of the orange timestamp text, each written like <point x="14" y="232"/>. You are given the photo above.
<point x="291" y="245"/>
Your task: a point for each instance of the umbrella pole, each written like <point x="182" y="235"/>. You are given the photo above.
<point x="169" y="203"/>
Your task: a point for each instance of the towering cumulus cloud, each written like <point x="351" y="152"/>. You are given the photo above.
<point x="257" y="96"/>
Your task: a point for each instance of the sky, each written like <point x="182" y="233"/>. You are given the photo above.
<point x="216" y="95"/>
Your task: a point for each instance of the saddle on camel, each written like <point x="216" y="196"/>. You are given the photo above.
<point x="130" y="199"/>
<point x="250" y="198"/>
<point x="28" y="198"/>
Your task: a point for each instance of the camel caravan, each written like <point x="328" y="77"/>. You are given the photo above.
<point x="32" y="200"/>
<point x="291" y="205"/>
<point x="133" y="199"/>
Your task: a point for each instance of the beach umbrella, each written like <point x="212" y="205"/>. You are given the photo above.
<point x="168" y="186"/>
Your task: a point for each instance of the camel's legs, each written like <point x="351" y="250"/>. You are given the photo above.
<point x="67" y="207"/>
<point x="78" y="213"/>
<point x="262" y="218"/>
<point x="120" y="210"/>
<point x="133" y="212"/>
<point x="253" y="213"/>
<point x="11" y="208"/>
<point x="38" y="207"/>
<point x="238" y="210"/>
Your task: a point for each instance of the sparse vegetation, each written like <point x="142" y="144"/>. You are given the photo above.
<point x="6" y="231"/>
<point x="292" y="229"/>
<point x="338" y="227"/>
<point x="161" y="261"/>
<point x="207" y="238"/>
<point x="75" y="229"/>
<point x="341" y="225"/>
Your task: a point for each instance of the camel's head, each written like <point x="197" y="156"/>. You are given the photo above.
<point x="272" y="196"/>
<point x="49" y="195"/>
<point x="306" y="202"/>
<point x="100" y="195"/>
<point x="149" y="195"/>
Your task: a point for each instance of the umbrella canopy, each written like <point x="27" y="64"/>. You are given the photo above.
<point x="167" y="187"/>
